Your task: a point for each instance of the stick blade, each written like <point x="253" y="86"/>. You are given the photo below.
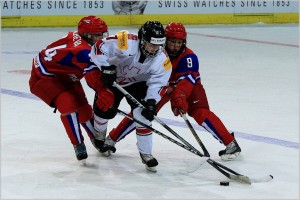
<point x="247" y="180"/>
<point x="262" y="179"/>
<point x="241" y="178"/>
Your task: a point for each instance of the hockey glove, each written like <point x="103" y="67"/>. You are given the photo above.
<point x="178" y="101"/>
<point x="105" y="99"/>
<point x="109" y="75"/>
<point x="150" y="109"/>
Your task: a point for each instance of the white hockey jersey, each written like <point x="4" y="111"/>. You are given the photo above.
<point x="122" y="50"/>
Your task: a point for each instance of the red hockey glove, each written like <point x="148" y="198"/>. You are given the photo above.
<point x="178" y="101"/>
<point x="105" y="99"/>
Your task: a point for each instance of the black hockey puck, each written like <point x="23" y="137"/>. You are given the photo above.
<point x="224" y="183"/>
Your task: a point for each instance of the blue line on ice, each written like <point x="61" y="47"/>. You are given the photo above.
<point x="246" y="136"/>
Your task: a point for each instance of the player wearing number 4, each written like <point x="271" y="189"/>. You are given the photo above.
<point x="186" y="92"/>
<point x="55" y="78"/>
<point x="140" y="64"/>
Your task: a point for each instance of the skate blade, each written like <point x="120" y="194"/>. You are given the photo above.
<point x="107" y="153"/>
<point x="151" y="169"/>
<point x="229" y="157"/>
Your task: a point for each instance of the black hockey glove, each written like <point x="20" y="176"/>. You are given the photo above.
<point x="109" y="75"/>
<point x="150" y="109"/>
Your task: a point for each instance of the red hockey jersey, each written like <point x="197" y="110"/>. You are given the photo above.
<point x="185" y="66"/>
<point x="67" y="59"/>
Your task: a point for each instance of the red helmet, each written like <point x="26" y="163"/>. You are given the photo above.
<point x="92" y="25"/>
<point x="175" y="31"/>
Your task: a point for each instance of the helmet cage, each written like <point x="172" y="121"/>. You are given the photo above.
<point x="148" y="54"/>
<point x="152" y="32"/>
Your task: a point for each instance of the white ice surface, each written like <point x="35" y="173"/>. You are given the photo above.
<point x="251" y="76"/>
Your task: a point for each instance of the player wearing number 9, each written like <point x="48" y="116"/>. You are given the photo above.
<point x="55" y="79"/>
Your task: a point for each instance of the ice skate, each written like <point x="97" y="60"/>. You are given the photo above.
<point x="149" y="161"/>
<point x="231" y="152"/>
<point x="98" y="141"/>
<point x="109" y="146"/>
<point x="80" y="151"/>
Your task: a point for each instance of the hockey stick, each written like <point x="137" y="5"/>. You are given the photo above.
<point x="221" y="168"/>
<point x="216" y="165"/>
<point x="158" y="132"/>
<point x="237" y="176"/>
<point x="194" y="133"/>
<point x="202" y="145"/>
<point x="197" y="164"/>
<point x="129" y="96"/>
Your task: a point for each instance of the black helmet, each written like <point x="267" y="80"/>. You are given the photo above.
<point x="152" y="32"/>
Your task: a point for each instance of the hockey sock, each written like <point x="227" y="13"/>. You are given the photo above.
<point x="71" y="124"/>
<point x="100" y="124"/>
<point x="89" y="128"/>
<point x="143" y="135"/>
<point x="125" y="127"/>
<point x="85" y="115"/>
<point x="212" y="124"/>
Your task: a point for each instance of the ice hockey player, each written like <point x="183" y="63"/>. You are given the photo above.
<point x="140" y="64"/>
<point x="55" y="78"/>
